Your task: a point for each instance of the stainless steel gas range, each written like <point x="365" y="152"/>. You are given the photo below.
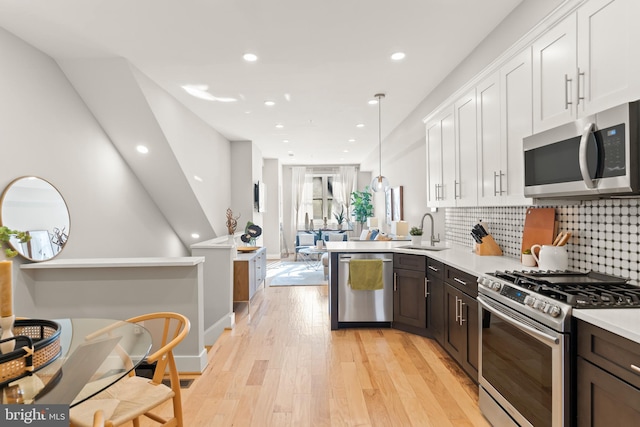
<point x="527" y="343"/>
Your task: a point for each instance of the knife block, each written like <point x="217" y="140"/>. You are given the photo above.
<point x="488" y="247"/>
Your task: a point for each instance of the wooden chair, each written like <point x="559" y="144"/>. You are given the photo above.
<point x="138" y="396"/>
<point x="98" y="418"/>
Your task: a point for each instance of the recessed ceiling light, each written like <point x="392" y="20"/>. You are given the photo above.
<point x="269" y="103"/>
<point x="398" y="56"/>
<point x="287" y="96"/>
<point x="200" y="91"/>
<point x="250" y="57"/>
<point x="279" y="126"/>
<point x="373" y="102"/>
<point x="286" y="141"/>
<point x="345" y="151"/>
<point x="197" y="178"/>
<point x="352" y="140"/>
<point x="195" y="235"/>
<point x="360" y="125"/>
<point x="142" y="149"/>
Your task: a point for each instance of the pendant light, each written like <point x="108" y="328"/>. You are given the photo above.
<point x="379" y="183"/>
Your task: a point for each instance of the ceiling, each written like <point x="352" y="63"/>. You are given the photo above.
<point x="319" y="61"/>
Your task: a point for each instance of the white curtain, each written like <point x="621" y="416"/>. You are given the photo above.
<point x="298" y="176"/>
<point x="344" y="183"/>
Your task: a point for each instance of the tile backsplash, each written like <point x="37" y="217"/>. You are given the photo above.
<point x="604" y="233"/>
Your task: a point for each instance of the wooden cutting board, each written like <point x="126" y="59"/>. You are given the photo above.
<point x="539" y="227"/>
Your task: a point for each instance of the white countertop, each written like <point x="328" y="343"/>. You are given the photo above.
<point x="460" y="257"/>
<point x="114" y="263"/>
<point x="621" y="321"/>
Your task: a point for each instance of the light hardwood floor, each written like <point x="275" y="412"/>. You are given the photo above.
<point x="287" y="368"/>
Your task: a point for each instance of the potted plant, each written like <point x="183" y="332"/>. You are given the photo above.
<point x="340" y="217"/>
<point x="5" y="237"/>
<point x="416" y="236"/>
<point x="362" y="206"/>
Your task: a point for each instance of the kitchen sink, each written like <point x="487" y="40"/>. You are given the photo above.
<point x="423" y="248"/>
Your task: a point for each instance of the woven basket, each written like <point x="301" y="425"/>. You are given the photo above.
<point x="37" y="343"/>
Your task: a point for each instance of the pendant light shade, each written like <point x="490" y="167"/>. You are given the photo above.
<point x="380" y="183"/>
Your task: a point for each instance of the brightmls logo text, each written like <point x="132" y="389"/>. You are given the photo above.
<point x="36" y="415"/>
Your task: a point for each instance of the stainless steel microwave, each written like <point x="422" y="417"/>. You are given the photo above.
<point x="595" y="156"/>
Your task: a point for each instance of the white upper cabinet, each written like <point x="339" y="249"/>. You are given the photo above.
<point x="440" y="151"/>
<point x="608" y="60"/>
<point x="516" y="123"/>
<point x="554" y="69"/>
<point x="465" y="191"/>
<point x="434" y="162"/>
<point x="504" y="119"/>
<point x="586" y="63"/>
<point x="451" y="155"/>
<point x="491" y="172"/>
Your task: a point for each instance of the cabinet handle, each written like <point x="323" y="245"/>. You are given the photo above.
<point x="432" y="268"/>
<point x="462" y="319"/>
<point x="456" y="194"/>
<point x="395" y="282"/>
<point x="495" y="187"/>
<point x="462" y="282"/>
<point x="635" y="368"/>
<point x="567" y="80"/>
<point x="500" y="181"/>
<point x="457" y="310"/>
<point x="426" y="287"/>
<point x="580" y="77"/>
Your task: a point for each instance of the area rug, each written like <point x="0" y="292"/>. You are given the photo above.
<point x="287" y="273"/>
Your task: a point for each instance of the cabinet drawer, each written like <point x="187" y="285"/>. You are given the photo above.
<point x="409" y="262"/>
<point x="435" y="269"/>
<point x="466" y="282"/>
<point x="611" y="352"/>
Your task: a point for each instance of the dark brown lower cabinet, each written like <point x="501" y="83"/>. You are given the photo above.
<point x="608" y="378"/>
<point x="605" y="400"/>
<point x="461" y="329"/>
<point x="409" y="302"/>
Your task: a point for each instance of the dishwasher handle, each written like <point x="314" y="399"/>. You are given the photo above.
<point x="347" y="260"/>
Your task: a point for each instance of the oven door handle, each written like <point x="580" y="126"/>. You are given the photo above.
<point x="539" y="334"/>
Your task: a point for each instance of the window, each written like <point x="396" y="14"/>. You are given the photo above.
<point x="322" y="198"/>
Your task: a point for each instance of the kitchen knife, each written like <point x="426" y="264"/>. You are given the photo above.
<point x="476" y="237"/>
<point x="480" y="232"/>
<point x="483" y="231"/>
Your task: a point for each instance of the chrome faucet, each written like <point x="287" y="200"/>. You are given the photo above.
<point x="432" y="239"/>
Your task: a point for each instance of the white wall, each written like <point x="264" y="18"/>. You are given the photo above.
<point x="199" y="149"/>
<point x="46" y="130"/>
<point x="404" y="149"/>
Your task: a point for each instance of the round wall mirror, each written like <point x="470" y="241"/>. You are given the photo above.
<point x="33" y="205"/>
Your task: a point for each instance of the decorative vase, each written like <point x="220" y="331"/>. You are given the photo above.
<point x="416" y="240"/>
<point x="340" y="226"/>
<point x="306" y="221"/>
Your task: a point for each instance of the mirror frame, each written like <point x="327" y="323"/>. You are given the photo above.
<point x="18" y="248"/>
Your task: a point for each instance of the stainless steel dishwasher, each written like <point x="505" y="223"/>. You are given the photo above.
<point x="365" y="306"/>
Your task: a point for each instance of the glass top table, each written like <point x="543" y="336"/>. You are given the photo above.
<point x="312" y="256"/>
<point x="95" y="353"/>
